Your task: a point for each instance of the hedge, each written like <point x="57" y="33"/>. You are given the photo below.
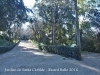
<point x="66" y="51"/>
<point x="4" y="49"/>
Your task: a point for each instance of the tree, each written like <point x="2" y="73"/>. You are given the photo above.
<point x="90" y="24"/>
<point x="55" y="13"/>
<point x="12" y="12"/>
<point x="77" y="29"/>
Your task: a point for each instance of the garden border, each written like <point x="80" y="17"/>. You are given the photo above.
<point x="4" y="49"/>
<point x="65" y="51"/>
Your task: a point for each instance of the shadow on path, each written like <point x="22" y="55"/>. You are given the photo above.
<point x="26" y="59"/>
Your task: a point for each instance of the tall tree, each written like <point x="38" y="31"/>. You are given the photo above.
<point x="55" y="13"/>
<point x="11" y="12"/>
<point x="77" y="29"/>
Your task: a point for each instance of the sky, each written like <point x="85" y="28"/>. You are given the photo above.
<point x="29" y="4"/>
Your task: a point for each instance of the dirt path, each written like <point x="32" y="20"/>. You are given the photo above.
<point x="25" y="59"/>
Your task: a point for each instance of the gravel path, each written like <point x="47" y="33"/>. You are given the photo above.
<point x="25" y="59"/>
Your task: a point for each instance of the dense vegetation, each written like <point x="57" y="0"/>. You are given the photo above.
<point x="58" y="23"/>
<point x="54" y="22"/>
<point x="12" y="14"/>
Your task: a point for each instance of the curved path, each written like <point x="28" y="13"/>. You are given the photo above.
<point x="25" y="59"/>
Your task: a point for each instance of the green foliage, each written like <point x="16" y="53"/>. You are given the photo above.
<point x="85" y="25"/>
<point x="15" y="40"/>
<point x="12" y="11"/>
<point x="58" y="16"/>
<point x="88" y="38"/>
<point x="4" y="42"/>
<point x="34" y="42"/>
<point x="88" y="45"/>
<point x="55" y="15"/>
<point x="66" y="51"/>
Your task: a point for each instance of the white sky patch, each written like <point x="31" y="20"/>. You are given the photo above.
<point x="81" y="18"/>
<point x="94" y="29"/>
<point x="29" y="3"/>
<point x="25" y="25"/>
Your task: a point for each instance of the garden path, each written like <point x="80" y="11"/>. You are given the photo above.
<point x="26" y="59"/>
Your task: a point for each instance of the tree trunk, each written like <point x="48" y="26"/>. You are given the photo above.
<point x="35" y="36"/>
<point x="53" y="34"/>
<point x="77" y="30"/>
<point x="53" y="27"/>
<point x="9" y="35"/>
<point x="9" y="40"/>
<point x="98" y="41"/>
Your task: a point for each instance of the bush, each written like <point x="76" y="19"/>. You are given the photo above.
<point x="4" y="49"/>
<point x="88" y="45"/>
<point x="66" y="51"/>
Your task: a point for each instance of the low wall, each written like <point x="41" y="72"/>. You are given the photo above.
<point x="66" y="51"/>
<point x="7" y="48"/>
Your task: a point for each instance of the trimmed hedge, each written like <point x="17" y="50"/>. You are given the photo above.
<point x="66" y="51"/>
<point x="4" y="49"/>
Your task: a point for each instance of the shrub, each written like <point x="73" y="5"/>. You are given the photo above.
<point x="88" y="45"/>
<point x="66" y="51"/>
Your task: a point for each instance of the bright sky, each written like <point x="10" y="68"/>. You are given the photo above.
<point x="29" y="4"/>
